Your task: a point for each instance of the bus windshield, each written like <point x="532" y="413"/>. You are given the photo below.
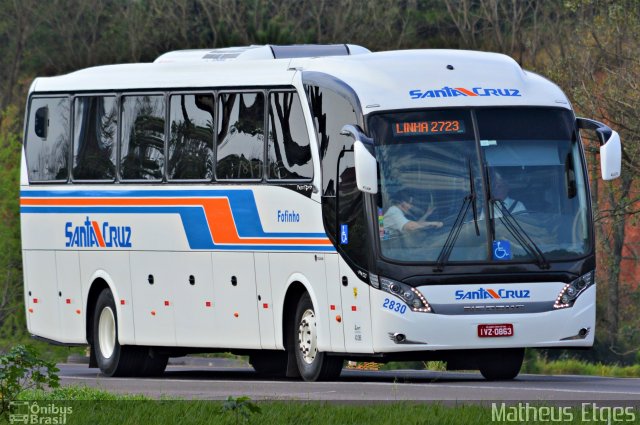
<point x="510" y="188"/>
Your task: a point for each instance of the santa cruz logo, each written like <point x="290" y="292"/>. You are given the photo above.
<point x="94" y="234"/>
<point x="485" y="294"/>
<point x="461" y="91"/>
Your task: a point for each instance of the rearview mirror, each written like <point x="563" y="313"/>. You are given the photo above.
<point x="364" y="158"/>
<point x="610" y="147"/>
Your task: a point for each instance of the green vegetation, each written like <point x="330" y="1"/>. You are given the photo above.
<point x="574" y="366"/>
<point x="21" y="370"/>
<point x="77" y="393"/>
<point x="99" y="407"/>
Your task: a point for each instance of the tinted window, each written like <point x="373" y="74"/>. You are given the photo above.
<point x="48" y="141"/>
<point x="330" y="113"/>
<point x="94" y="150"/>
<point x="142" y="140"/>
<point x="351" y="214"/>
<point x="535" y="171"/>
<point x="240" y="136"/>
<point x="289" y="150"/>
<point x="191" y="137"/>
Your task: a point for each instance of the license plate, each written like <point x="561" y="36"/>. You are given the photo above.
<point x="494" y="331"/>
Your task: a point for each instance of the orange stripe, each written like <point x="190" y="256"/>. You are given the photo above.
<point x="217" y="211"/>
<point x="98" y="234"/>
<point x="465" y="91"/>
<point x="493" y="293"/>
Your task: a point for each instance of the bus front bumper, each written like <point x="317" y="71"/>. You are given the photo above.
<point x="393" y="331"/>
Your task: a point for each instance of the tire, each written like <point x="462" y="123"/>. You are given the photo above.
<point x="271" y="364"/>
<point x="154" y="364"/>
<point x="312" y="364"/>
<point x="113" y="359"/>
<point x="500" y="364"/>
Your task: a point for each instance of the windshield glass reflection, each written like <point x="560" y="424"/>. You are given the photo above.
<point x="429" y="174"/>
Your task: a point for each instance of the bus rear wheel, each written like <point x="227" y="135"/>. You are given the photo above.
<point x="313" y="365"/>
<point x="500" y="364"/>
<point x="114" y="359"/>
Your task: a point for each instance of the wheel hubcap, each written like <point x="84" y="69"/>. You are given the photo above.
<point x="107" y="332"/>
<point x="307" y="339"/>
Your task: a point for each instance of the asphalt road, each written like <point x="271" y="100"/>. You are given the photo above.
<point x="216" y="379"/>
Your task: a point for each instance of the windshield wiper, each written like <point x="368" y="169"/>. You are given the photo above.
<point x="474" y="207"/>
<point x="469" y="201"/>
<point x="518" y="232"/>
<point x="513" y="226"/>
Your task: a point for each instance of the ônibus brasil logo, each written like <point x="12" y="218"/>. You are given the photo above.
<point x="492" y="294"/>
<point x="461" y="91"/>
<point x="93" y="234"/>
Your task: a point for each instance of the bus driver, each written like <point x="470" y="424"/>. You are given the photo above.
<point x="395" y="221"/>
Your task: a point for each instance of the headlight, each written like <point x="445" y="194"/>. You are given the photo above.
<point x="409" y="295"/>
<point x="571" y="291"/>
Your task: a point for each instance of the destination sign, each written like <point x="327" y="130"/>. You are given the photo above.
<point x="421" y="128"/>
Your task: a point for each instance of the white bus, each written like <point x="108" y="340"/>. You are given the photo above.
<point x="304" y="205"/>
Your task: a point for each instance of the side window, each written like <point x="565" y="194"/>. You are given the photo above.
<point x="289" y="152"/>
<point x="48" y="139"/>
<point x="330" y="113"/>
<point x="351" y="213"/>
<point x="190" y="148"/>
<point x="240" y="148"/>
<point x="142" y="138"/>
<point x="94" y="148"/>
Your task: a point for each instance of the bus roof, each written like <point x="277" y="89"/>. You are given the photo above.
<point x="404" y="79"/>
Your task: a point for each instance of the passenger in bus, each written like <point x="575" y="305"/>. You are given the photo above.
<point x="500" y="192"/>
<point x="395" y="220"/>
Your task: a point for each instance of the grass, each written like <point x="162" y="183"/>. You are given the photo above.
<point x="579" y="367"/>
<point x="78" y="393"/>
<point x="91" y="406"/>
<point x="49" y="352"/>
<point x="537" y="364"/>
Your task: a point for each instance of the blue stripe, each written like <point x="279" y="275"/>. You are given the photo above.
<point x="193" y="221"/>
<point x="242" y="201"/>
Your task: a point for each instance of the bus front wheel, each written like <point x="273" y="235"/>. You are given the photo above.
<point x="500" y="364"/>
<point x="272" y="364"/>
<point x="312" y="364"/>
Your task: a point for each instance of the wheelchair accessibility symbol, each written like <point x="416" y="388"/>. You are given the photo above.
<point x="344" y="234"/>
<point x="501" y="250"/>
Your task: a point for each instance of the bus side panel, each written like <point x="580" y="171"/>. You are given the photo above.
<point x="193" y="299"/>
<point x="113" y="267"/>
<point x="308" y="269"/>
<point x="357" y="312"/>
<point x="153" y="308"/>
<point x="265" y="301"/>
<point x="334" y="300"/>
<point x="27" y="295"/>
<point x="43" y="302"/>
<point x="70" y="299"/>
<point x="235" y="300"/>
